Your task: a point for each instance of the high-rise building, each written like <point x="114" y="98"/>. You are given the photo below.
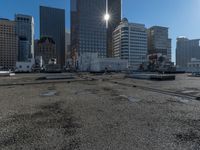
<point x="8" y="44"/>
<point x="186" y="50"/>
<point x="114" y="10"/>
<point x="25" y="32"/>
<point x="23" y="50"/>
<point x="158" y="41"/>
<point x="46" y="48"/>
<point x="67" y="45"/>
<point x="89" y="31"/>
<point x="130" y="42"/>
<point x="52" y="24"/>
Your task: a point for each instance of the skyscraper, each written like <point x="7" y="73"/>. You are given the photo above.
<point x="23" y="49"/>
<point x="158" y="41"/>
<point x="8" y="44"/>
<point x="52" y="24"/>
<point x="25" y="32"/>
<point x="186" y="50"/>
<point x="89" y="32"/>
<point x="67" y="45"/>
<point x="114" y="10"/>
<point x="130" y="43"/>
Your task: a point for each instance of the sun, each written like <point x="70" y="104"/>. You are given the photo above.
<point x="107" y="17"/>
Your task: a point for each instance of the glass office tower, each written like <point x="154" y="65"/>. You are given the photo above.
<point x="52" y="24"/>
<point x="25" y="31"/>
<point x="114" y="10"/>
<point x="88" y="27"/>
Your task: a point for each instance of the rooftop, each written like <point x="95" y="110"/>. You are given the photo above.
<point x="99" y="111"/>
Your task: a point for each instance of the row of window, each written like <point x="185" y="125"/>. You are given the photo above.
<point x="23" y="19"/>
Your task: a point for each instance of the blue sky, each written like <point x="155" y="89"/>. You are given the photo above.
<point x="181" y="16"/>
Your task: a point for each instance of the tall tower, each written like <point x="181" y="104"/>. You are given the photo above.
<point x="186" y="49"/>
<point x="25" y="32"/>
<point x="8" y="44"/>
<point x="130" y="42"/>
<point x="52" y="24"/>
<point x="89" y="32"/>
<point x="158" y="41"/>
<point x="114" y="10"/>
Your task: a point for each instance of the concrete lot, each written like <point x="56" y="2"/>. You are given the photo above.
<point x="98" y="114"/>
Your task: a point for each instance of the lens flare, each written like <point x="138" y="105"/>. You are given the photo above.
<point x="107" y="17"/>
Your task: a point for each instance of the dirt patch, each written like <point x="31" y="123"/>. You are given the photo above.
<point x="192" y="123"/>
<point x="87" y="91"/>
<point x="92" y="91"/>
<point x="73" y="144"/>
<point x="52" y="87"/>
<point x="20" y="129"/>
<point x="192" y="133"/>
<point x="110" y="91"/>
<point x="189" y="136"/>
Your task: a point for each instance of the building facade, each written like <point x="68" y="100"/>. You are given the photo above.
<point x="8" y="44"/>
<point x="23" y="50"/>
<point x="46" y="48"/>
<point x="186" y="50"/>
<point x="130" y="42"/>
<point x="25" y="32"/>
<point x="90" y="62"/>
<point x="114" y="10"/>
<point x="158" y="41"/>
<point x="67" y="45"/>
<point x="89" y="30"/>
<point x="52" y="24"/>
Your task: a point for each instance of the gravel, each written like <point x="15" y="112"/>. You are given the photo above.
<point x="97" y="115"/>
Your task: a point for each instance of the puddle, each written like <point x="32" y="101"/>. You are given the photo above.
<point x="182" y="100"/>
<point x="133" y="99"/>
<point x="130" y="98"/>
<point x="49" y="93"/>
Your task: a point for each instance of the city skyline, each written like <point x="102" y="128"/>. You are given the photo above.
<point x="180" y="16"/>
<point x="100" y="74"/>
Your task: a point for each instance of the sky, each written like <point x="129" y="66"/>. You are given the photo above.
<point x="181" y="16"/>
